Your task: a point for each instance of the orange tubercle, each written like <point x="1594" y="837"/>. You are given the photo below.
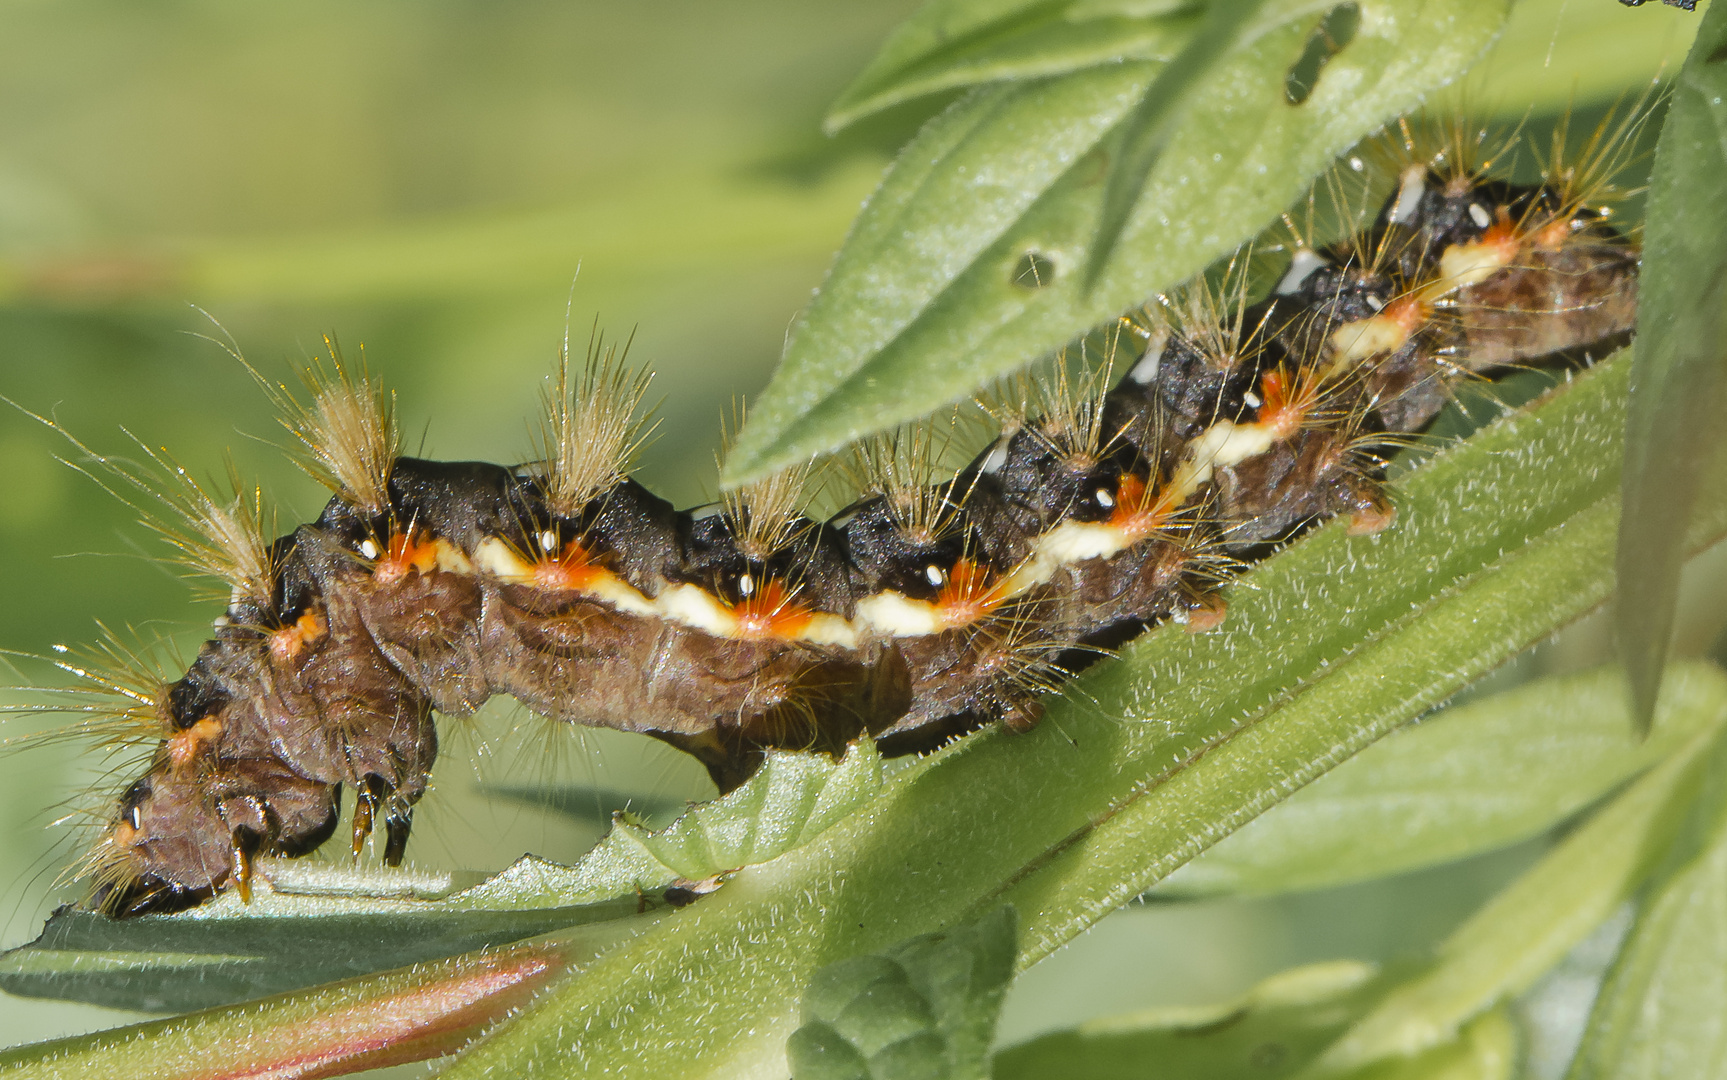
<point x="1140" y="510"/>
<point x="1552" y="236"/>
<point x="573" y="569"/>
<point x="770" y="613"/>
<point x="185" y="746"/>
<point x="969" y="596"/>
<point x="1207" y="614"/>
<point x="406" y="555"/>
<point x="288" y="642"/>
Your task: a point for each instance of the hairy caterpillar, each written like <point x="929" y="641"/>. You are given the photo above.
<point x="920" y="612"/>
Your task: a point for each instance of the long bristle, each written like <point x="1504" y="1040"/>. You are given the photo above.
<point x="1209" y="315"/>
<point x="118" y="697"/>
<point x="593" y="426"/>
<point x="1588" y="177"/>
<point x="347" y="430"/>
<point x="216" y="534"/>
<point x="1456" y="146"/>
<point x="1059" y="403"/>
<point x="765" y="516"/>
<point x="224" y="535"/>
<point x="905" y="466"/>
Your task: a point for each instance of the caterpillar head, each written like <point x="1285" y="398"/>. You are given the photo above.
<point x="178" y="837"/>
<point x="210" y="802"/>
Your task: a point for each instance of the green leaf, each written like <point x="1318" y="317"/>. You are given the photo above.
<point x="924" y="1008"/>
<point x="930" y="296"/>
<point x="1659" y="1013"/>
<point x="1328" y="646"/>
<point x="1270" y="1032"/>
<point x="1535" y="921"/>
<point x="956" y="43"/>
<point x="1146" y="132"/>
<point x="1477" y="777"/>
<point x="1676" y="395"/>
<point x="790" y="801"/>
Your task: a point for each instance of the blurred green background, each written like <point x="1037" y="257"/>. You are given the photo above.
<point x="423" y="181"/>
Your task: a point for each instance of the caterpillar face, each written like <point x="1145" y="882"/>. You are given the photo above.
<point x="928" y="608"/>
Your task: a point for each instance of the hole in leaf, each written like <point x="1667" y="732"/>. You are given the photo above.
<point x="1034" y="270"/>
<point x="1335" y="30"/>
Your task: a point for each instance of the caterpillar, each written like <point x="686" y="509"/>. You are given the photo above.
<point x="922" y="611"/>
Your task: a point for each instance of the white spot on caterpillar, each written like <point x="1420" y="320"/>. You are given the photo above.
<point x="1479" y="215"/>
<point x="369" y="549"/>
<point x="1105" y="499"/>
<point x="1146" y="369"/>
<point x="1301" y="267"/>
<point x="746" y="585"/>
<point x="702" y="513"/>
<point x="997" y="456"/>
<point x="137" y="818"/>
<point x="935" y="575"/>
<point x="548" y="541"/>
<point x="1252" y="399"/>
<point x="1375" y="303"/>
<point x="1409" y="192"/>
<point x="1357" y="164"/>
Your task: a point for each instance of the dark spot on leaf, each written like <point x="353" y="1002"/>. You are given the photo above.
<point x="1269" y="1055"/>
<point x="1335" y="30"/>
<point x="1034" y="270"/>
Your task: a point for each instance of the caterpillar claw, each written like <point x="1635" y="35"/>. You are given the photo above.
<point x="396" y="827"/>
<point x="246" y="844"/>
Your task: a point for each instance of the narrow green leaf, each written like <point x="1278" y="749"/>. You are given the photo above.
<point x="952" y="43"/>
<point x="1674" y="415"/>
<point x="925" y="1008"/>
<point x="586" y="804"/>
<point x="790" y="801"/>
<point x="1503" y="948"/>
<point x="1486" y="1049"/>
<point x="1269" y="1033"/>
<point x="1272" y="1033"/>
<point x="1145" y="133"/>
<point x="1660" y="1012"/>
<point x="939" y="288"/>
<point x="1474" y="778"/>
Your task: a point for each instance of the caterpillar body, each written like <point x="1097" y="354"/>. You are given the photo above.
<point x="922" y="611"/>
